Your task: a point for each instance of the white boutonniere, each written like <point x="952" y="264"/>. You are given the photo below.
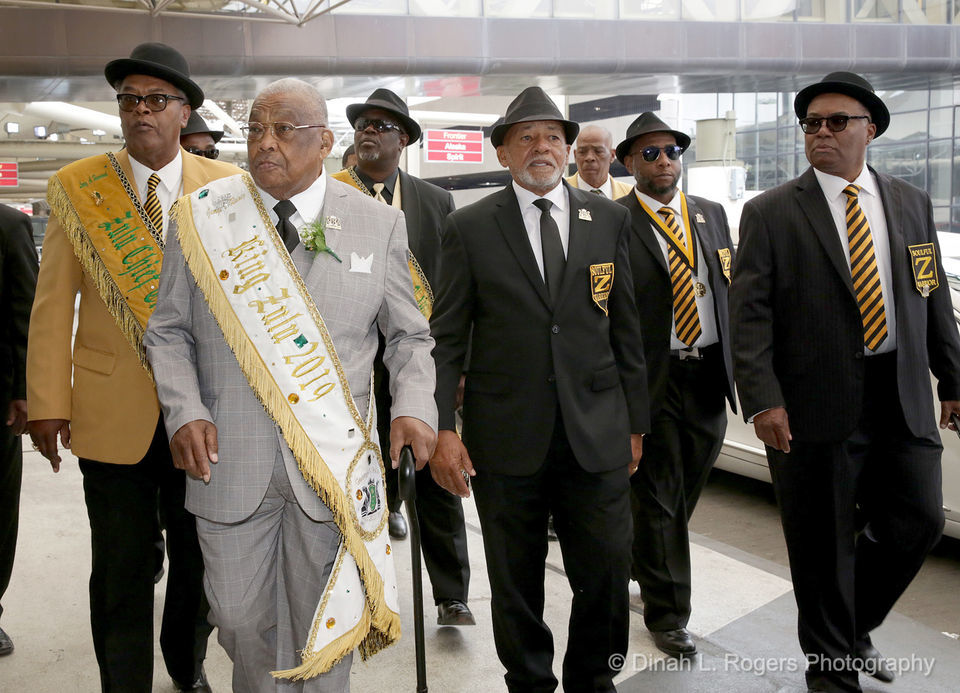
<point x="314" y="238"/>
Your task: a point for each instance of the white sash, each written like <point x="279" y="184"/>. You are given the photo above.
<point x="272" y="324"/>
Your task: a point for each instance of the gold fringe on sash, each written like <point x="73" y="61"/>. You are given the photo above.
<point x="89" y="259"/>
<point x="379" y="627"/>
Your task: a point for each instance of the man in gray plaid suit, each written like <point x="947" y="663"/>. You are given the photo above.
<point x="269" y="542"/>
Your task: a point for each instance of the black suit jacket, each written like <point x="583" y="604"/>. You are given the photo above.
<point x="654" y="293"/>
<point x="18" y="280"/>
<point x="425" y="207"/>
<point x="527" y="356"/>
<point x="797" y="332"/>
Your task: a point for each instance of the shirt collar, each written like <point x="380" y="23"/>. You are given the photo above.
<point x="389" y="184"/>
<point x="655" y="205"/>
<point x="171" y="175"/>
<point x="309" y="202"/>
<point x="833" y="186"/>
<point x="558" y="196"/>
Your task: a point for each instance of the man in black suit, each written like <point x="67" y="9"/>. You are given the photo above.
<point x="383" y="128"/>
<point x="18" y="279"/>
<point x="555" y="400"/>
<point x="686" y="342"/>
<point x="839" y="312"/>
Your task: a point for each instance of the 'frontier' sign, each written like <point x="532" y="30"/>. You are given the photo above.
<point x="454" y="146"/>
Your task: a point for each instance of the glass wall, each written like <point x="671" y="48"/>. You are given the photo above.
<point x="921" y="146"/>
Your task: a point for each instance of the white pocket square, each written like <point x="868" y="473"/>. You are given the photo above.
<point x="361" y="264"/>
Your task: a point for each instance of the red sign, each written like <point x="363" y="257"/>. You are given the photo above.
<point x="454" y="146"/>
<point x="9" y="174"/>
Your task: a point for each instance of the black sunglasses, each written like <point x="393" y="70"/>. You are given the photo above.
<point x="835" y="123"/>
<point x="155" y="102"/>
<point x="209" y="153"/>
<point x="651" y="154"/>
<point x="379" y="125"/>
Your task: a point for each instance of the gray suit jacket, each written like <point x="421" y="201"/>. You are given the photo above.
<point x="199" y="378"/>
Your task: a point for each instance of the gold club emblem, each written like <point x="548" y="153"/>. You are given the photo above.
<point x="725" y="261"/>
<point x="923" y="260"/>
<point x="601" y="279"/>
<point x="700" y="289"/>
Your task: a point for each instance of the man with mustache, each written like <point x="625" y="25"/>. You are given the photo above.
<point x="680" y="255"/>
<point x="536" y="277"/>
<point x="383" y="129"/>
<point x="105" y="240"/>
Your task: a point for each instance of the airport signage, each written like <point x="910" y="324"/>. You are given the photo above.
<point x="9" y="174"/>
<point x="454" y="146"/>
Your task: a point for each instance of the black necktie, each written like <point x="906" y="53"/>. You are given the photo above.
<point x="553" y="258"/>
<point x="288" y="232"/>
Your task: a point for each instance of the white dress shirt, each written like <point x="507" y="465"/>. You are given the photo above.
<point x="606" y="188"/>
<point x="872" y="206"/>
<point x="168" y="191"/>
<point x="309" y="203"/>
<point x="531" y="217"/>
<point x="705" y="309"/>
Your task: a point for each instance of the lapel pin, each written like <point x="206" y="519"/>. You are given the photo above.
<point x="332" y="222"/>
<point x="700" y="219"/>
<point x="584" y="214"/>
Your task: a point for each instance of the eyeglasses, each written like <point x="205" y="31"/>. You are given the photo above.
<point x="209" y="153"/>
<point x="835" y="123"/>
<point x="375" y="123"/>
<point x="155" y="102"/>
<point x="282" y="131"/>
<point x="651" y="154"/>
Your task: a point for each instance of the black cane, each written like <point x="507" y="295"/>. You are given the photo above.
<point x="408" y="493"/>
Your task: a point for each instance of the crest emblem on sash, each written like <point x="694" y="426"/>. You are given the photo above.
<point x="725" y="261"/>
<point x="601" y="279"/>
<point x="923" y="260"/>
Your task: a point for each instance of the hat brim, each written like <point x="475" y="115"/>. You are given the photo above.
<point x="117" y="70"/>
<point x="570" y="129"/>
<point x="410" y="126"/>
<point x="879" y="114"/>
<point x="623" y="149"/>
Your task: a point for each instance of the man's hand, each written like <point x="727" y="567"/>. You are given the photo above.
<point x="17" y="416"/>
<point x="773" y="428"/>
<point x="408" y="430"/>
<point x="449" y="464"/>
<point x="43" y="433"/>
<point x="636" y="450"/>
<point x="946" y="409"/>
<point x="194" y="447"/>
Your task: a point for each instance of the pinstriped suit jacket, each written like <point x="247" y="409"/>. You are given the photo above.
<point x="199" y="378"/>
<point x="796" y="326"/>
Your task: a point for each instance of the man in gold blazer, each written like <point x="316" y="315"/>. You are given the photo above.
<point x="594" y="154"/>
<point x="105" y="241"/>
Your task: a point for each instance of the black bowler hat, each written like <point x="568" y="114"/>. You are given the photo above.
<point x="646" y="123"/>
<point x="156" y="60"/>
<point x="197" y="124"/>
<point x="386" y="100"/>
<point x="850" y="84"/>
<point x="532" y="104"/>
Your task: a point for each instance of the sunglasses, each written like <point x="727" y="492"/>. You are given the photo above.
<point x="835" y="123"/>
<point x="379" y="125"/>
<point x="209" y="153"/>
<point x="651" y="154"/>
<point x="281" y="130"/>
<point x="155" y="102"/>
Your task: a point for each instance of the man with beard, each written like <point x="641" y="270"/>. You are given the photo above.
<point x="105" y="240"/>
<point x="555" y="400"/>
<point x="680" y="255"/>
<point x="383" y="128"/>
<point x="594" y="153"/>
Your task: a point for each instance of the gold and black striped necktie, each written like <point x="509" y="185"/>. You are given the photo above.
<point x="152" y="204"/>
<point x="865" y="273"/>
<point x="685" y="315"/>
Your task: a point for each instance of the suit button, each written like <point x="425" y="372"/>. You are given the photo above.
<point x="858" y="355"/>
<point x="551" y="378"/>
<point x="555" y="329"/>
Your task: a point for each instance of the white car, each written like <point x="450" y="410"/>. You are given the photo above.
<point x="743" y="452"/>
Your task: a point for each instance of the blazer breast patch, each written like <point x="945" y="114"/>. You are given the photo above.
<point x="601" y="279"/>
<point x="923" y="260"/>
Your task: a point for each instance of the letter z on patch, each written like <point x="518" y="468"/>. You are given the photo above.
<point x="601" y="279"/>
